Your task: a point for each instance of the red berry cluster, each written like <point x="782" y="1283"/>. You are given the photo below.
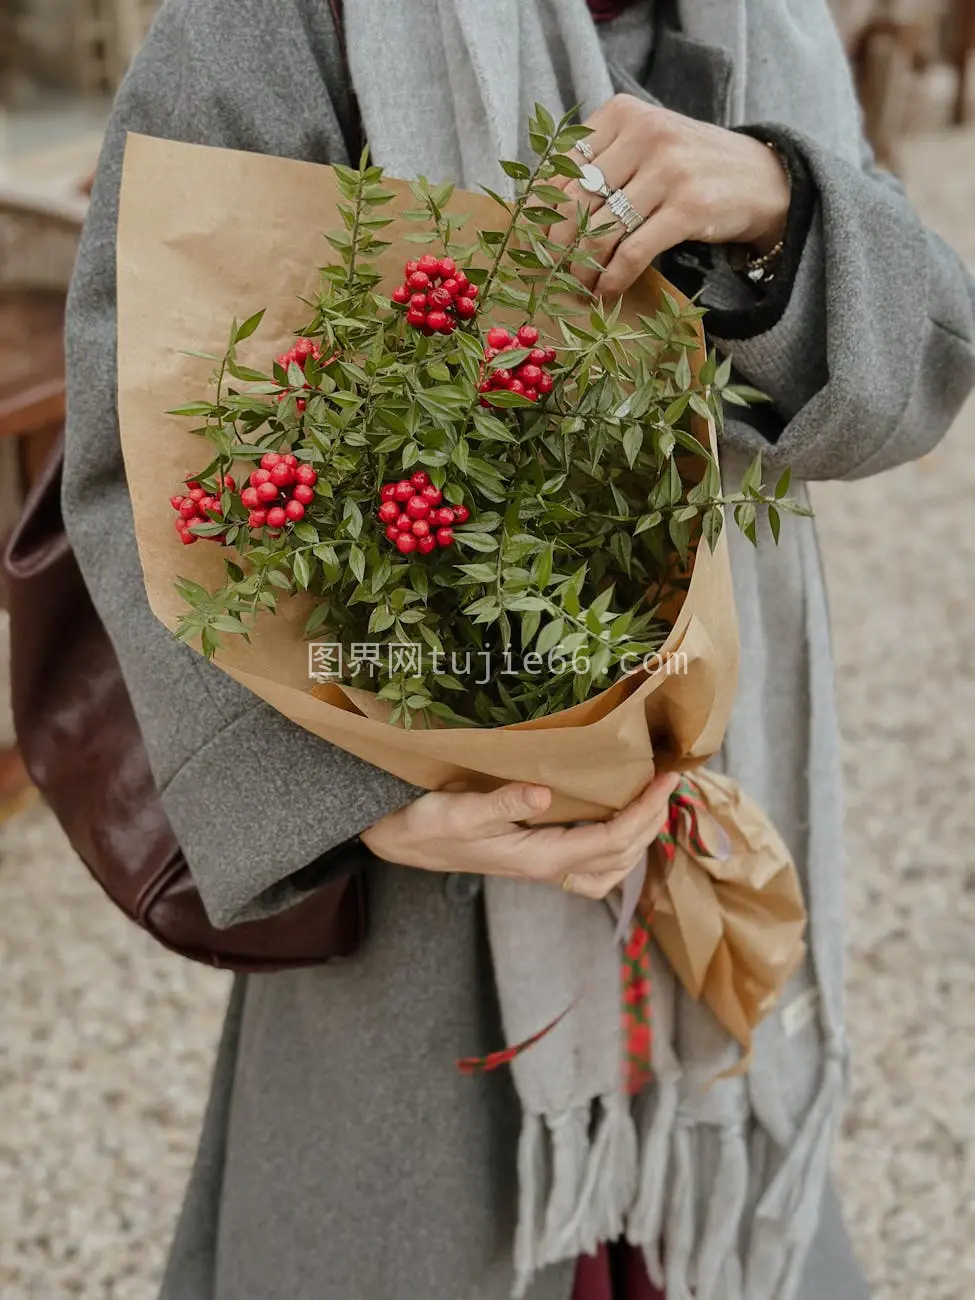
<point x="436" y="295"/>
<point x="299" y="354"/>
<point x="531" y="379"/>
<point x="279" y="492"/>
<point x="199" y="507"/>
<point x="414" y="517"/>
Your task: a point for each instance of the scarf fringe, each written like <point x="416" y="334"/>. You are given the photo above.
<point x="645" y="1227"/>
<point x="532" y="1181"/>
<point x="681" y="1213"/>
<point x="577" y="1183"/>
<point x="717" y="1275"/>
<point x="577" y="1191"/>
<point x="787" y="1216"/>
<point x="571" y="1154"/>
<point x="611" y="1177"/>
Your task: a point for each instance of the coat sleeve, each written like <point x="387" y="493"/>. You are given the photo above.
<point x="875" y="353"/>
<point x="251" y="797"/>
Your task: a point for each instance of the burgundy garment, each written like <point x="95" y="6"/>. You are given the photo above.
<point x="594" y="1277"/>
<point x="605" y="10"/>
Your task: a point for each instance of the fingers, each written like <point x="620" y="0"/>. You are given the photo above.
<point x="596" y="886"/>
<point x="604" y="849"/>
<point x="620" y="163"/>
<point x="664" y="229"/>
<point x="479" y="816"/>
<point x="614" y="846"/>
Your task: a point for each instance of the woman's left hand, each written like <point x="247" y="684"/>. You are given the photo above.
<point x="690" y="180"/>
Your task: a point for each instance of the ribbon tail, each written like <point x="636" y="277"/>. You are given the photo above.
<point x="471" y="1065"/>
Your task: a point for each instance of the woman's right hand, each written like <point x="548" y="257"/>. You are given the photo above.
<point x="481" y="834"/>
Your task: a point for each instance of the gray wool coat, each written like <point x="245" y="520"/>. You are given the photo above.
<point x="342" y="1158"/>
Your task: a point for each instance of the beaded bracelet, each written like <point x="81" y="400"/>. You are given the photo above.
<point x="760" y="270"/>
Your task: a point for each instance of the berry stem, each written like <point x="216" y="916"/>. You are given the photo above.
<point x="519" y="206"/>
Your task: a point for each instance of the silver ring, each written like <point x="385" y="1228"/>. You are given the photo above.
<point x="624" y="212"/>
<point x="582" y="146"/>
<point x="594" y="182"/>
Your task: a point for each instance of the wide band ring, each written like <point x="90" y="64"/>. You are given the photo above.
<point x="624" y="211"/>
<point x="583" y="147"/>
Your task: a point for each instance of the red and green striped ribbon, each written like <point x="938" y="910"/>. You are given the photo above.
<point x="636" y="1013"/>
<point x="686" y="804"/>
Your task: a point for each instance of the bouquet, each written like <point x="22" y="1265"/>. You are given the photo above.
<point x="439" y="505"/>
<point x="490" y="484"/>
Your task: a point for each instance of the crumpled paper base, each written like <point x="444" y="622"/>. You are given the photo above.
<point x="731" y="924"/>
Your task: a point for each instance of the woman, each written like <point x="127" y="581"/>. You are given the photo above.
<point x="341" y="1157"/>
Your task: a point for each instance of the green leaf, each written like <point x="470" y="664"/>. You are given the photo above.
<point x="352" y="517"/>
<point x="301" y="566"/>
<point x="774" y="523"/>
<point x="381" y="620"/>
<point x="249" y="326"/>
<point x="544" y="120"/>
<point x="306" y="533"/>
<point x="317" y="619"/>
<point x="745" y="515"/>
<point x="782" y="487"/>
<point x="723" y="373"/>
<point x="550" y="636"/>
<point x="543" y="567"/>
<point x="502" y="398"/>
<point x="680" y="535"/>
<point x="632" y="443"/>
<point x="676" y="409"/>
<point x="745" y="395"/>
<point x="476" y="541"/>
<point x="522" y="604"/>
<point x="194" y="409"/>
<point x="563" y="166"/>
<point x="751" y="480"/>
<point x="682" y="376"/>
<point x="478" y="572"/>
<point x="542" y="216"/>
<point x="647" y="521"/>
<point x="357" y="562"/>
<point x="516" y="170"/>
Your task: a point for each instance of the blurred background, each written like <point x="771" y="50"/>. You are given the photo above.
<point x="106" y="1042"/>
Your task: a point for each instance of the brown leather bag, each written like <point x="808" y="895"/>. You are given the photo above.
<point x="83" y="748"/>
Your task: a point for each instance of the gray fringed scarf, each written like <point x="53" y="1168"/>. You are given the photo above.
<point x="721" y="1186"/>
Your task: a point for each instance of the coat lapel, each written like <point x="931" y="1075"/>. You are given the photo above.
<point x="684" y="75"/>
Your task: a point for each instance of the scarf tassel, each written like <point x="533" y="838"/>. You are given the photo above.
<point x="718" y="1274"/>
<point x="646" y="1222"/>
<point x="575" y="1189"/>
<point x="532" y="1182"/>
<point x="562" y="1237"/>
<point x="681" y="1227"/>
<point x="787" y="1216"/>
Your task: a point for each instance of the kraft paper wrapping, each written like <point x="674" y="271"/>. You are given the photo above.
<point x="731" y="925"/>
<point x="206" y="235"/>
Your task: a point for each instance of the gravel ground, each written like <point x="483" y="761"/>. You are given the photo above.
<point x="106" y="1042"/>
